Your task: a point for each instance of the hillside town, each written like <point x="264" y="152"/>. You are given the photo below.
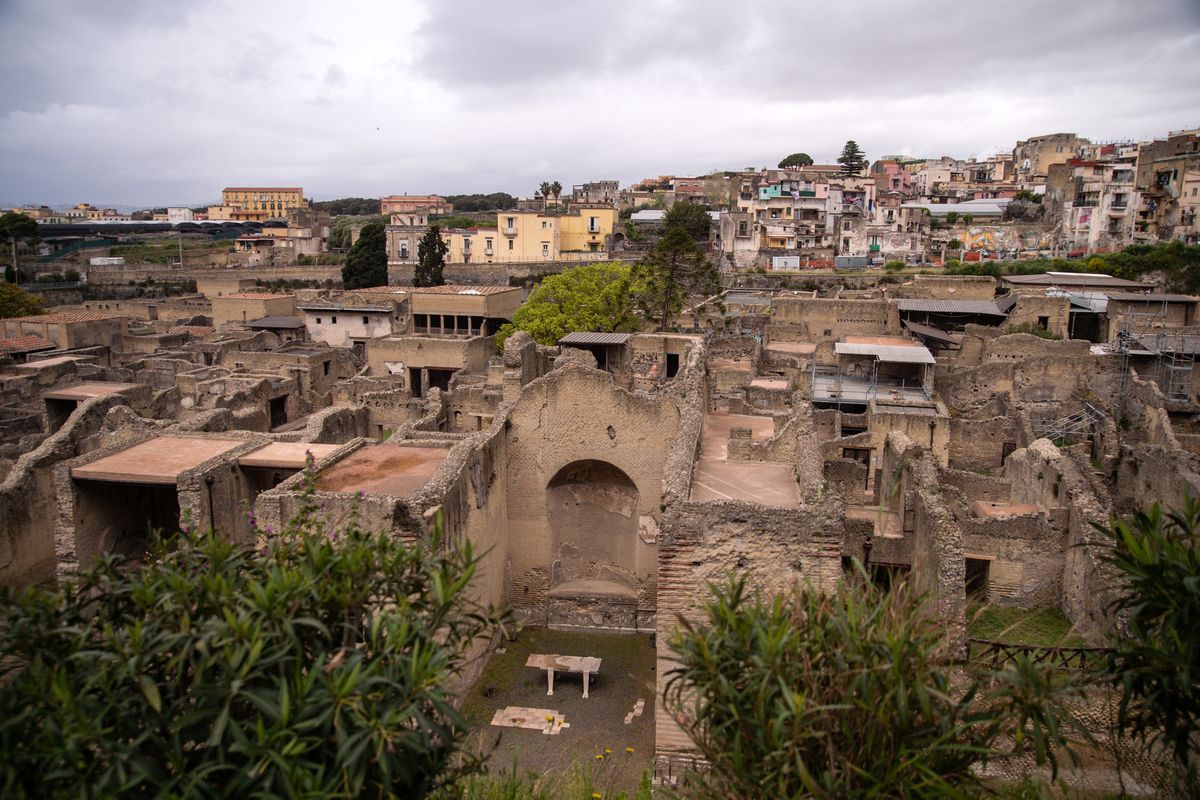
<point x="946" y="373"/>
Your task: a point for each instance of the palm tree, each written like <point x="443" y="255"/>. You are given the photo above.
<point x="556" y="190"/>
<point x="544" y="189"/>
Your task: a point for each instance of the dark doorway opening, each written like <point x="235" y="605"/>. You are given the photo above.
<point x="977" y="578"/>
<point x="278" y="410"/>
<point x="672" y="364"/>
<point x="1006" y="450"/>
<point x="414" y="381"/>
<point x="440" y="378"/>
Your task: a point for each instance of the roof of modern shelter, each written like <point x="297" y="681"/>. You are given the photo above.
<point x="461" y="289"/>
<point x="1137" y="297"/>
<point x="159" y="460"/>
<point x="25" y="344"/>
<point x="387" y="469"/>
<point x="86" y="391"/>
<point x="590" y="337"/>
<point x="1072" y="279"/>
<point x="930" y="332"/>
<point x="950" y="306"/>
<point x="277" y="321"/>
<point x="286" y="455"/>
<point x="916" y="354"/>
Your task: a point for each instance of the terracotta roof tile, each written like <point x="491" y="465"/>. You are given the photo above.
<point x="257" y="296"/>
<point x="54" y="317"/>
<point x="194" y="330"/>
<point x="24" y="344"/>
<point x="460" y="289"/>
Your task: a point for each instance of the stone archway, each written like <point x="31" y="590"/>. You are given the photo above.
<point x="592" y="510"/>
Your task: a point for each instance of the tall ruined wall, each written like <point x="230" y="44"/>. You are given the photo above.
<point x="701" y="543"/>
<point x="938" y="568"/>
<point x="978" y="444"/>
<point x="576" y="414"/>
<point x="28" y="505"/>
<point x="819" y="319"/>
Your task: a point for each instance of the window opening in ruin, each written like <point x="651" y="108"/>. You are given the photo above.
<point x="1006" y="450"/>
<point x="1044" y="323"/>
<point x="977" y="578"/>
<point x="672" y="364"/>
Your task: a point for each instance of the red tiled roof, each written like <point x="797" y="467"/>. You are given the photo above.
<point x="24" y="344"/>
<point x="69" y="316"/>
<point x="459" y="289"/>
<point x="257" y="296"/>
<point x="194" y="330"/>
<point x="385" y="289"/>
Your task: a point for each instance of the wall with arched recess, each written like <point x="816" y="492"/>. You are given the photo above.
<point x="592" y="510"/>
<point x="561" y="424"/>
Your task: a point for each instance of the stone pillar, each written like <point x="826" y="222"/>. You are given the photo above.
<point x="424" y="381"/>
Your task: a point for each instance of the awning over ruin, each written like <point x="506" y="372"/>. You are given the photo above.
<point x="893" y="354"/>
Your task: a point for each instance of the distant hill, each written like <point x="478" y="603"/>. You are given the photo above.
<point x="349" y="206"/>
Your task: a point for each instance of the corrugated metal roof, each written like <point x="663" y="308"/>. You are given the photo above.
<point x="1169" y="343"/>
<point x="1094" y="302"/>
<point x="1136" y="297"/>
<point x="930" y="332"/>
<point x="951" y="306"/>
<point x="451" y="288"/>
<point x="1072" y="279"/>
<point x="915" y="354"/>
<point x="593" y="337"/>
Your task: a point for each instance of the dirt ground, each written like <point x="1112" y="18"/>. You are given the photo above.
<point x="597" y="723"/>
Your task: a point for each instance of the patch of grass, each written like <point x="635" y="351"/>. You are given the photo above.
<point x="597" y="723"/>
<point x="1036" y="627"/>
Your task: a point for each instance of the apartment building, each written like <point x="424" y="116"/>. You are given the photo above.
<point x="258" y="203"/>
<point x="1168" y="177"/>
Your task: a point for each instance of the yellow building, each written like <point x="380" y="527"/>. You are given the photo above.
<point x="260" y="203"/>
<point x="530" y="236"/>
<point x="587" y="230"/>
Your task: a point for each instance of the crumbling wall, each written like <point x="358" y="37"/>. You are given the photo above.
<point x="28" y="504"/>
<point x="800" y="319"/>
<point x="979" y="444"/>
<point x="571" y="415"/>
<point x="702" y="543"/>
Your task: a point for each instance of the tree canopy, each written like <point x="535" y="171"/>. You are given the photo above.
<point x="351" y="206"/>
<point x="593" y="297"/>
<point x="796" y="160"/>
<point x="482" y="202"/>
<point x="16" y="302"/>
<point x="691" y="217"/>
<point x="318" y="662"/>
<point x="852" y="159"/>
<point x="677" y="268"/>
<point x="14" y="228"/>
<point x="366" y="264"/>
<point x="431" y="258"/>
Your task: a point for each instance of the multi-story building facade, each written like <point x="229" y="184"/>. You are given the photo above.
<point x="258" y="203"/>
<point x="1094" y="201"/>
<point x="583" y="234"/>
<point x="1032" y="157"/>
<point x="1168" y="176"/>
<point x="408" y="203"/>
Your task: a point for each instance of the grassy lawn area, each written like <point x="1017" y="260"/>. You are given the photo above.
<point x="596" y="724"/>
<point x="1039" y="627"/>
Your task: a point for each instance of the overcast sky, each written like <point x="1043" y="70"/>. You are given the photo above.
<point x="158" y="102"/>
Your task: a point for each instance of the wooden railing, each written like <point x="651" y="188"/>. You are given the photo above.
<point x="999" y="654"/>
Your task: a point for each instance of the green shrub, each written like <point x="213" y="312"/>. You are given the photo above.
<point x="1156" y="664"/>
<point x="848" y="695"/>
<point x="314" y="665"/>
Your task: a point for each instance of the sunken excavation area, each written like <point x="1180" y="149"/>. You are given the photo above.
<point x="608" y="480"/>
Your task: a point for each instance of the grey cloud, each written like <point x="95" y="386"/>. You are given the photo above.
<point x="808" y="50"/>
